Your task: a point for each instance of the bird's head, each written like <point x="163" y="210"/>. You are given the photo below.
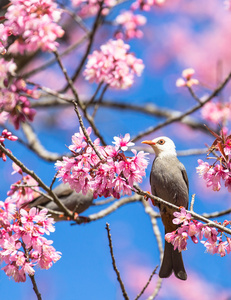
<point x="162" y="146"/>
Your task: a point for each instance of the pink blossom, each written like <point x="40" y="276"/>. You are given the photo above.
<point x="216" y="112"/>
<point x="221" y="249"/>
<point x="23" y="194"/>
<point x="22" y="242"/>
<point x="129" y="23"/>
<point x="211" y="248"/>
<point x="203" y="168"/>
<point x="6" y="135"/>
<point x="111" y="175"/>
<point x="113" y="65"/>
<point x="227" y="147"/>
<point x="180" y="241"/>
<point x="187" y="79"/>
<point x="87" y="8"/>
<point x="35" y="25"/>
<point x="123" y="143"/>
<point x="182" y="217"/>
<point x="195" y="230"/>
<point x="14" y="95"/>
<point x="146" y="4"/>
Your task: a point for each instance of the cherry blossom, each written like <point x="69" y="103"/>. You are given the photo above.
<point x="34" y="23"/>
<point x="194" y="229"/>
<point x="113" y="65"/>
<point x="24" y="190"/>
<point x="87" y="8"/>
<point x="14" y="95"/>
<point x="113" y="175"/>
<point x="6" y="135"/>
<point x="129" y="23"/>
<point x="220" y="170"/>
<point x="146" y="4"/>
<point x="122" y="143"/>
<point x="187" y="79"/>
<point x="216" y="112"/>
<point x="22" y="241"/>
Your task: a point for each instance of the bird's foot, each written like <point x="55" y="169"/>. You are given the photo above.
<point x="146" y="198"/>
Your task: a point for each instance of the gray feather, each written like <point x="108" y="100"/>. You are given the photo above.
<point x="71" y="199"/>
<point x="169" y="181"/>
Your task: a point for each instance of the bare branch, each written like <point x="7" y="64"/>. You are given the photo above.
<point x="35" y="288"/>
<point x="78" y="104"/>
<point x="149" y="210"/>
<point x="193" y="214"/>
<point x="89" y="46"/>
<point x="188" y="112"/>
<point x="114" y="264"/>
<point x="192" y="202"/>
<point x="146" y="285"/>
<point x="35" y="145"/>
<point x="53" y="60"/>
<point x="104" y="212"/>
<point x="40" y="182"/>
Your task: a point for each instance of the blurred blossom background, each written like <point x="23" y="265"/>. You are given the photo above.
<point x="177" y="35"/>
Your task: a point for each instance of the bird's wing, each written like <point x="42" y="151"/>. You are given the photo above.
<point x="185" y="176"/>
<point x="62" y="191"/>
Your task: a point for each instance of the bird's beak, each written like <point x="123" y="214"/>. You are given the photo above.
<point x="149" y="142"/>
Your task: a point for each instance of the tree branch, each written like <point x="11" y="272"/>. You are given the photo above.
<point x="114" y="264"/>
<point x="39" y="181"/>
<point x="146" y="285"/>
<point x="193" y="214"/>
<point x="188" y="112"/>
<point x="35" y="288"/>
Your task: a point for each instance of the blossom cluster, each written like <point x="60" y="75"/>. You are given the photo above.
<point x="110" y="175"/>
<point x="196" y="231"/>
<point x="22" y="241"/>
<point x="3" y="39"/>
<point x="14" y="102"/>
<point x="146" y="5"/>
<point x="24" y="190"/>
<point x="217" y="112"/>
<point x="187" y="79"/>
<point x="113" y="65"/>
<point x="6" y="135"/>
<point x="129" y="25"/>
<point x="34" y="23"/>
<point x="87" y="8"/>
<point x="220" y="170"/>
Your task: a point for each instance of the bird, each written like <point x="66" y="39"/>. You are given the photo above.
<point x="74" y="201"/>
<point x="169" y="181"/>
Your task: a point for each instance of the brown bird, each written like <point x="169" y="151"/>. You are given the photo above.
<point x="73" y="201"/>
<point x="169" y="181"/>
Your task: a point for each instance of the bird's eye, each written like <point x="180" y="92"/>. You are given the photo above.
<point x="161" y="142"/>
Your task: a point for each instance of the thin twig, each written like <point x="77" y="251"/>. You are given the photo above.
<point x="35" y="288"/>
<point x="110" y="209"/>
<point x="78" y="104"/>
<point x="157" y="289"/>
<point x="153" y="216"/>
<point x="188" y="112"/>
<point x="97" y="105"/>
<point x="193" y="214"/>
<point x="89" y="46"/>
<point x="146" y="285"/>
<point x="53" y="60"/>
<point x="192" y="202"/>
<point x="114" y="263"/>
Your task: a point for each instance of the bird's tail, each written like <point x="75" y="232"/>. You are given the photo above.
<point x="172" y="261"/>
